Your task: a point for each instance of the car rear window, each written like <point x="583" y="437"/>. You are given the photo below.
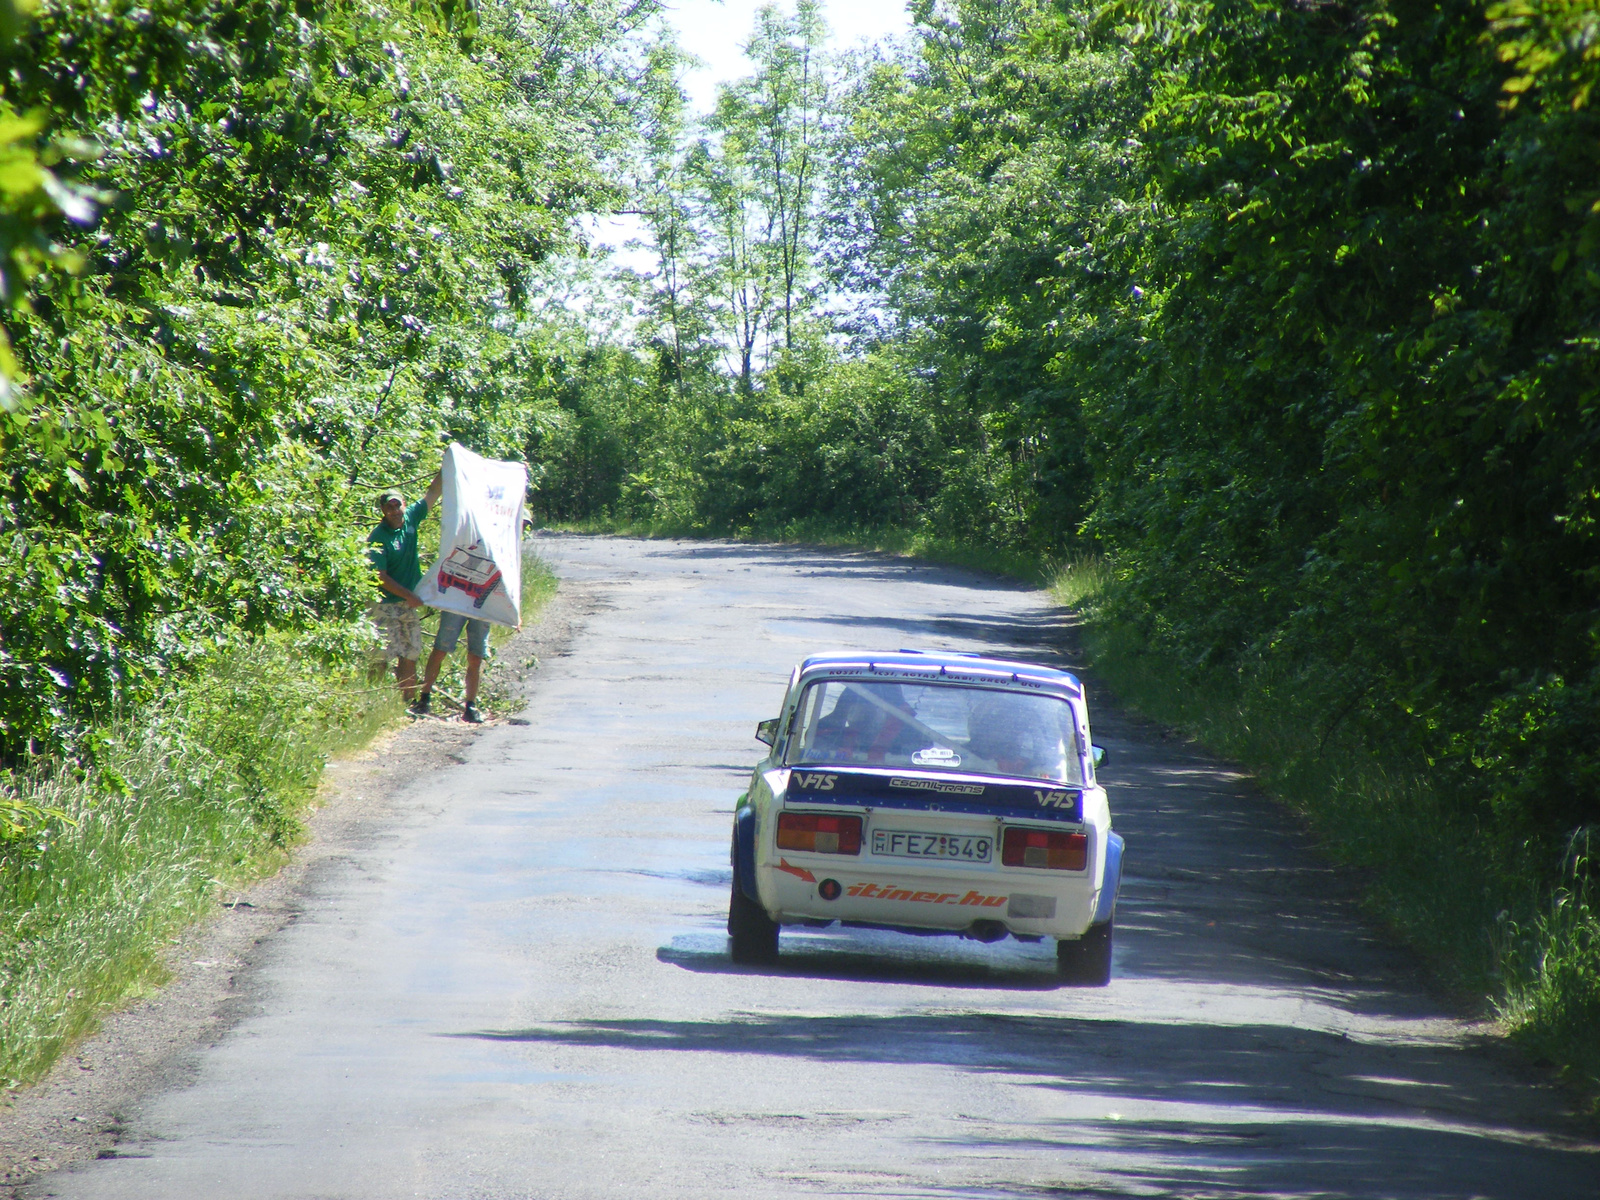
<point x="936" y="727"/>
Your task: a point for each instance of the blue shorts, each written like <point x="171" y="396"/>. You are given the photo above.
<point x="450" y="632"/>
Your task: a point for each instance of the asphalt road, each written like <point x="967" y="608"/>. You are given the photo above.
<point x="521" y="988"/>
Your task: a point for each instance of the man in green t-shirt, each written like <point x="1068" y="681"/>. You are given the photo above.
<point x="392" y="551"/>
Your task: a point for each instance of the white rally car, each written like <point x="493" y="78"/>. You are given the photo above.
<point x="929" y="792"/>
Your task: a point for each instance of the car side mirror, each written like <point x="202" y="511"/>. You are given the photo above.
<point x="767" y="731"/>
<point x="1097" y="755"/>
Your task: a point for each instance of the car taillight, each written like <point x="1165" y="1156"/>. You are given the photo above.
<point x="819" y="833"/>
<point x="1042" y="848"/>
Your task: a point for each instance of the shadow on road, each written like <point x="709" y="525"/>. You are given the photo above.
<point x="1336" y="1159"/>
<point x="1275" y="1110"/>
<point x="1221" y="886"/>
<point x="1031" y="637"/>
<point x="815" y="562"/>
<point x="867" y="967"/>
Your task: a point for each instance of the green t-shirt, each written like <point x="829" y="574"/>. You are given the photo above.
<point x="395" y="550"/>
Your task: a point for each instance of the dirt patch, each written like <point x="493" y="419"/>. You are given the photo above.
<point x="77" y="1112"/>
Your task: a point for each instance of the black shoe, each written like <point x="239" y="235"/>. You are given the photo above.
<point x="471" y="715"/>
<point x="422" y="704"/>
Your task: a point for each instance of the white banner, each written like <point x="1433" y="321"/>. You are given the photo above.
<point x="479" y="569"/>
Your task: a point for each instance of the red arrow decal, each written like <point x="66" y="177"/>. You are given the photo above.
<point x="798" y="872"/>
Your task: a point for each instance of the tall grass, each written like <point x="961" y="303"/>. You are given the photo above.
<point x="1553" y="999"/>
<point x="1076" y="582"/>
<point x="199" y="789"/>
<point x="1474" y="901"/>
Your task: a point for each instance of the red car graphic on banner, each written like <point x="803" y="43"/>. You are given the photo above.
<point x="475" y="574"/>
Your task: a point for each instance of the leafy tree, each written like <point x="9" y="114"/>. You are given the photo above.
<point x="981" y="214"/>
<point x="325" y="225"/>
<point x="1353" y="452"/>
<point x="750" y="191"/>
<point x="785" y="103"/>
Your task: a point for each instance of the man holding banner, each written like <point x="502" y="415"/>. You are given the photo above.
<point x="392" y="551"/>
<point x="477" y="578"/>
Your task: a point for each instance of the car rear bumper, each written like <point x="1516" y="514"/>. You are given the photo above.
<point x="797" y="889"/>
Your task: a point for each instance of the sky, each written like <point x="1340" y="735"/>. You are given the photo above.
<point x="716" y="31"/>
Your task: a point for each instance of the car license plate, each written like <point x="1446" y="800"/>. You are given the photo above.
<point x="905" y="843"/>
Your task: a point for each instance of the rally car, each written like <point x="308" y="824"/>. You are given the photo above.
<point x="929" y="792"/>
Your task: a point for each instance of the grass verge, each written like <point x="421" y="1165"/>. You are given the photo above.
<point x="1474" y="902"/>
<point x="199" y="791"/>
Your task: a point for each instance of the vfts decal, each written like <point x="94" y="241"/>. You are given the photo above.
<point x="811" y="782"/>
<point x="1055" y="799"/>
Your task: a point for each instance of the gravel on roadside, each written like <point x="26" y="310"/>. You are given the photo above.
<point x="78" y="1111"/>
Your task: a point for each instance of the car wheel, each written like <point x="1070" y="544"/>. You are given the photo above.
<point x="1087" y="961"/>
<point x="752" y="935"/>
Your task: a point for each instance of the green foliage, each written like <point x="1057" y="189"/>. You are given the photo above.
<point x="1079" y="581"/>
<point x="586" y="452"/>
<point x="1345" y="451"/>
<point x="1478" y="905"/>
<point x="273" y="256"/>
<point x="985" y="204"/>
<point x="321" y="231"/>
<point x="942" y="418"/>
<point x="1555" y="999"/>
<point x="861" y="446"/>
<point x="1277" y="322"/>
<point x="732" y="205"/>
<point x="1356" y="450"/>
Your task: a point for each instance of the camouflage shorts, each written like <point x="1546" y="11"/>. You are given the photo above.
<point x="401" y="630"/>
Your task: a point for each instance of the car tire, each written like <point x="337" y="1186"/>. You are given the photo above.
<point x="752" y="935"/>
<point x="1086" y="962"/>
